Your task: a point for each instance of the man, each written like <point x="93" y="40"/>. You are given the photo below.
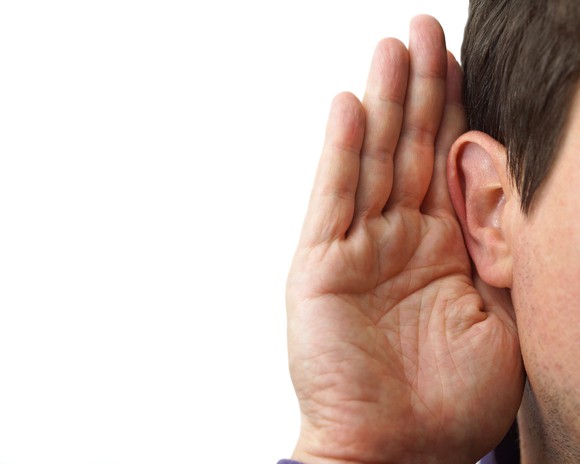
<point x="402" y="348"/>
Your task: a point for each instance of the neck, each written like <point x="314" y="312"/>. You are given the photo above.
<point x="530" y="425"/>
<point x="543" y="439"/>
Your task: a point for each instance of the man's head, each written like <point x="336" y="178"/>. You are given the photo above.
<point x="515" y="184"/>
<point x="521" y="60"/>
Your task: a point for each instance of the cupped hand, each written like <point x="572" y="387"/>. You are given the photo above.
<point x="396" y="353"/>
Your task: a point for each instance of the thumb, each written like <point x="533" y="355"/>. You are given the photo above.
<point x="497" y="301"/>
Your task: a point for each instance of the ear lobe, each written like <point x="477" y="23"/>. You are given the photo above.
<point x="480" y="191"/>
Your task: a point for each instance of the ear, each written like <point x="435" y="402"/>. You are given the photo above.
<point x="481" y="192"/>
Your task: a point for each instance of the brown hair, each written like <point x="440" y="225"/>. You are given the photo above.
<point x="521" y="60"/>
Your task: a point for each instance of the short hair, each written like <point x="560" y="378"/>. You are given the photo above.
<point x="521" y="62"/>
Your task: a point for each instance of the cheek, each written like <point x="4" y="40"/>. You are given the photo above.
<point x="546" y="297"/>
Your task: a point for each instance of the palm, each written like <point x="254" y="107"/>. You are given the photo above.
<point x="391" y="348"/>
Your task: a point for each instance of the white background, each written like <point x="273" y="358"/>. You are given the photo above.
<point x="156" y="159"/>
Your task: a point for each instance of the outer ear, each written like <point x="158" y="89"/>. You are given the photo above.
<point x="482" y="196"/>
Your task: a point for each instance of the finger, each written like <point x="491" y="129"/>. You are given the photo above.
<point x="437" y="201"/>
<point x="332" y="201"/>
<point x="383" y="103"/>
<point x="413" y="162"/>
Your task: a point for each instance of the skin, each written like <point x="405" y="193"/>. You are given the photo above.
<point x="546" y="296"/>
<point x="536" y="256"/>
<point x="398" y="353"/>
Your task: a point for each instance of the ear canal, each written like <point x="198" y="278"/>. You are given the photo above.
<point x="479" y="192"/>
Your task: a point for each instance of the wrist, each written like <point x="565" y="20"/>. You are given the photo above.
<point x="309" y="451"/>
<point x="322" y="449"/>
<point x="303" y="457"/>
